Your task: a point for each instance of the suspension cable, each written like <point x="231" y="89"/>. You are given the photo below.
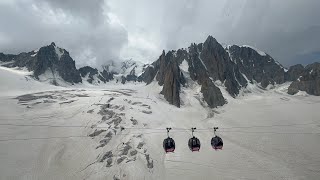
<point x="160" y="129"/>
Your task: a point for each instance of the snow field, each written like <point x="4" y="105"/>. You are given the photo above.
<point x="267" y="134"/>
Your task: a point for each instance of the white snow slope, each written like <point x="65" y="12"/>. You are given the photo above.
<point x="44" y="135"/>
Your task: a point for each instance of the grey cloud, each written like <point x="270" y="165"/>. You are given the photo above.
<point x="96" y="31"/>
<point x="91" y="10"/>
<point x="284" y="29"/>
<point x="82" y="29"/>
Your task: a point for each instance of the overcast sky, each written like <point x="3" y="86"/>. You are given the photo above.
<point x="95" y="31"/>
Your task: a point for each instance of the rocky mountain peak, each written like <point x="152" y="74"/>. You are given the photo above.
<point x="51" y="60"/>
<point x="211" y="43"/>
<point x="256" y="66"/>
<point x="208" y="64"/>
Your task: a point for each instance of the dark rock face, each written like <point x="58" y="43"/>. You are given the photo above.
<point x="172" y="83"/>
<point x="216" y="64"/>
<point x="108" y="76"/>
<point x="87" y="70"/>
<point x="67" y="69"/>
<point x="167" y="72"/>
<point x="180" y="55"/>
<point x="209" y="62"/>
<point x="309" y="81"/>
<point x="215" y="58"/>
<point x="197" y="69"/>
<point x="103" y="76"/>
<point x="294" y="72"/>
<point x="199" y="72"/>
<point x="260" y="68"/>
<point x="163" y="62"/>
<point x="148" y="75"/>
<point x="6" y="57"/>
<point x="169" y="76"/>
<point x="47" y="59"/>
<point x="24" y="60"/>
<point x="132" y="75"/>
<point x="212" y="94"/>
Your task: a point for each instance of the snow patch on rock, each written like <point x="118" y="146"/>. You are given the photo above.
<point x="256" y="49"/>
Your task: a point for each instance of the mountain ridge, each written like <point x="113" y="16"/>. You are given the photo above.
<point x="209" y="64"/>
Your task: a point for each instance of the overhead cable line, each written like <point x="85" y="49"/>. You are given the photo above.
<point x="160" y="129"/>
<point x="83" y="136"/>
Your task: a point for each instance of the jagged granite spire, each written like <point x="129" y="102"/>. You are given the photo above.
<point x="48" y="59"/>
<point x="209" y="64"/>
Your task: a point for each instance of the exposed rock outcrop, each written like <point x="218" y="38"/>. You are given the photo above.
<point x="6" y="57"/>
<point x="308" y="81"/>
<point x="169" y="76"/>
<point x="48" y="58"/>
<point x="108" y="76"/>
<point x="216" y="64"/>
<point x="67" y="69"/>
<point x="132" y="75"/>
<point x="200" y="73"/>
<point x="172" y="82"/>
<point x="257" y="67"/>
<point x="90" y="72"/>
<point x="23" y="60"/>
<point x="148" y="75"/>
<point x="93" y="74"/>
<point x="163" y="61"/>
<point x="209" y="64"/>
<point x="294" y="72"/>
<point x="212" y="94"/>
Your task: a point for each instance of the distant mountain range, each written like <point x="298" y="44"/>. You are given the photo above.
<point x="209" y="64"/>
